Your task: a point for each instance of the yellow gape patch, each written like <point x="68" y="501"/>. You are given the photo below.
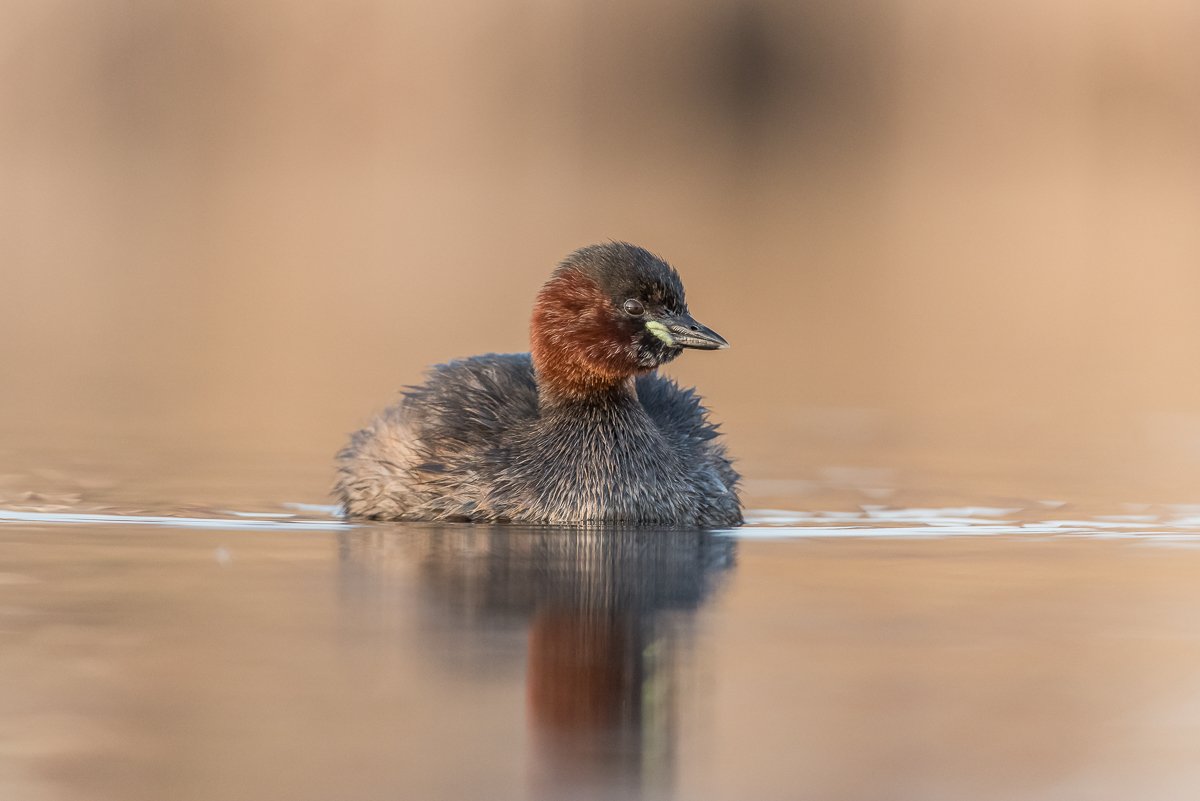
<point x="659" y="330"/>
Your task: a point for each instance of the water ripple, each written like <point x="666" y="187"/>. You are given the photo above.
<point x="1173" y="525"/>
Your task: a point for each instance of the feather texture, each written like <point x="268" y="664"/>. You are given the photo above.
<point x="474" y="443"/>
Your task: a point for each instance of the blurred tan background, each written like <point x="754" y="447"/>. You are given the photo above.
<point x="941" y="236"/>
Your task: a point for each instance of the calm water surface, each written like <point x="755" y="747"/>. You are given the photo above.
<point x="861" y="650"/>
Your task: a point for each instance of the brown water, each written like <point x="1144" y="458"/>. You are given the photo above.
<point x="1038" y="650"/>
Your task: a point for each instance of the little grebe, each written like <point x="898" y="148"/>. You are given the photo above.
<point x="580" y="430"/>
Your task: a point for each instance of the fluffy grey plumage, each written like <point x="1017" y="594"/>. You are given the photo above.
<point x="580" y="432"/>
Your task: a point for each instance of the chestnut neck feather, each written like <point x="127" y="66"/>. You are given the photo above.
<point x="578" y="349"/>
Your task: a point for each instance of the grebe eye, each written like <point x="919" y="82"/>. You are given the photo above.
<point x="634" y="307"/>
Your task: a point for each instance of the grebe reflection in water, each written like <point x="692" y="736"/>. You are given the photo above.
<point x="607" y="612"/>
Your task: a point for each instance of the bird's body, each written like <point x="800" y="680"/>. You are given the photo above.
<point x="580" y="431"/>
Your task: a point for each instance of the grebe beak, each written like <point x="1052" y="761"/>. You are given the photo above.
<point x="688" y="333"/>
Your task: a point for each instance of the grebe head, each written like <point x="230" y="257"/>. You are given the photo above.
<point x="608" y="313"/>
